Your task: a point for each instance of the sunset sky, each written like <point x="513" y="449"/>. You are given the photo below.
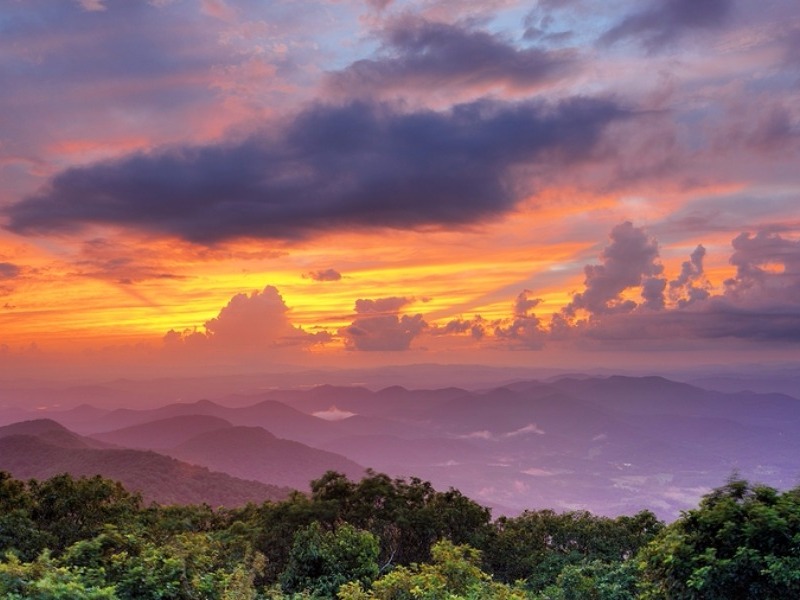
<point x="218" y="186"/>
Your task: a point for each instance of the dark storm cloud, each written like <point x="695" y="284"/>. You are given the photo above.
<point x="428" y="56"/>
<point x="333" y="167"/>
<point x="661" y="22"/>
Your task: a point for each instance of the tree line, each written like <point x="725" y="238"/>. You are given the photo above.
<point x="386" y="539"/>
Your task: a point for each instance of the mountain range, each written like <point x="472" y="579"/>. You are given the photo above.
<point x="611" y="444"/>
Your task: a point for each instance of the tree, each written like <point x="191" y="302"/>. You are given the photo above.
<point x="321" y="561"/>
<point x="70" y="509"/>
<point x="43" y="579"/>
<point x="742" y="542"/>
<point x="407" y="516"/>
<point x="538" y="545"/>
<point x="455" y="574"/>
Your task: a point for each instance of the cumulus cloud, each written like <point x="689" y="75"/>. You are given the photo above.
<point x="247" y="324"/>
<point x="691" y="284"/>
<point x="630" y="260"/>
<point x="475" y="327"/>
<point x="662" y="22"/>
<point x="525" y="327"/>
<point x="382" y="305"/>
<point x="425" y="55"/>
<point x="324" y="275"/>
<point x="378" y="326"/>
<point x="761" y="302"/>
<point x="360" y="165"/>
<point x="767" y="268"/>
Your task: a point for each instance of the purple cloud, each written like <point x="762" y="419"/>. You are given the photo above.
<point x="767" y="268"/>
<point x="425" y="55"/>
<point x="9" y="270"/>
<point x="476" y="327"/>
<point x="664" y="21"/>
<point x="760" y="303"/>
<point x="333" y="167"/>
<point x="382" y="305"/>
<point x="629" y="261"/>
<point x="324" y="275"/>
<point x="525" y="328"/>
<point x="691" y="285"/>
<point x="378" y="327"/>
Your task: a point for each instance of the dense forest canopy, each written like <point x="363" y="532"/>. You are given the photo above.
<point x="386" y="539"/>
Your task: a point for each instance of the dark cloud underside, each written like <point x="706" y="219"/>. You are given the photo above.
<point x="356" y="166"/>
<point x="431" y="56"/>
<point x="661" y="22"/>
<point x="8" y="270"/>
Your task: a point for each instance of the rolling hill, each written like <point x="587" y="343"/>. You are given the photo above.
<point x="42" y="449"/>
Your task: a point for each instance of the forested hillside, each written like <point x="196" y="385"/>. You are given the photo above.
<point x="386" y="539"/>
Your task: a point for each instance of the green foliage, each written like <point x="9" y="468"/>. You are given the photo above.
<point x="69" y="509"/>
<point x="742" y="542"/>
<point x="594" y="580"/>
<point x="538" y="546"/>
<point x="43" y="579"/>
<point x="454" y="574"/>
<point x="321" y="561"/>
<point x="387" y="539"/>
<point x="406" y="516"/>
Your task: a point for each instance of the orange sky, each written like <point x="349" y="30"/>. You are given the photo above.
<point x="377" y="183"/>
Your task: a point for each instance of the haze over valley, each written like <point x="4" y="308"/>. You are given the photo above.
<point x="609" y="444"/>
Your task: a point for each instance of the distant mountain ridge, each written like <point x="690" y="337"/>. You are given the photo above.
<point x="163" y="433"/>
<point x="246" y="452"/>
<point x="41" y="449"/>
<point x="254" y="453"/>
<point x="610" y="444"/>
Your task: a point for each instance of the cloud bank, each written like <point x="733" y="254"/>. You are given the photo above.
<point x="361" y="165"/>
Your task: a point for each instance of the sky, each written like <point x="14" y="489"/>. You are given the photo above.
<point x="218" y="186"/>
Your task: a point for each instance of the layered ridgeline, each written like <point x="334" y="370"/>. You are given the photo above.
<point x="247" y="464"/>
<point x="42" y="448"/>
<point x="386" y="539"/>
<point x="612" y="445"/>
